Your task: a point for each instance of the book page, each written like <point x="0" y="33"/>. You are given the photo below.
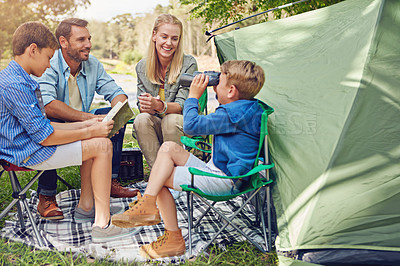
<point x="113" y="111"/>
<point x="121" y="114"/>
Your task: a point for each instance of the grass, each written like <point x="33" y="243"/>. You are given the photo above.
<point x="14" y="253"/>
<point x="118" y="67"/>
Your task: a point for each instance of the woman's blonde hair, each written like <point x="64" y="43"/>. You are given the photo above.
<point x="153" y="66"/>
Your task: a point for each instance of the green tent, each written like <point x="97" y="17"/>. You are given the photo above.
<point x="333" y="77"/>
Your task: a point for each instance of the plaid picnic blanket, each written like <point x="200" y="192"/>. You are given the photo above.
<point x="67" y="235"/>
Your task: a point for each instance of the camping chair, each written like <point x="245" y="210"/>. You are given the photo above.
<point x="199" y="143"/>
<point x="19" y="196"/>
<point x="255" y="184"/>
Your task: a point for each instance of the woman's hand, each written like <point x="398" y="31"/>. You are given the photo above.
<point x="150" y="104"/>
<point x="199" y="84"/>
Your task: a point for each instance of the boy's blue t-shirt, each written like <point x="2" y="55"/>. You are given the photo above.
<point x="236" y="129"/>
<point x="22" y="124"/>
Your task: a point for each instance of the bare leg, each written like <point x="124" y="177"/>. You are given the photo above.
<point x="169" y="156"/>
<point x="99" y="150"/>
<point x="86" y="198"/>
<point x="145" y="211"/>
<point x="167" y="207"/>
<point x="161" y="178"/>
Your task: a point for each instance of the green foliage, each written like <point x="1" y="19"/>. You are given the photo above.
<point x="131" y="57"/>
<point x="123" y="68"/>
<point x="115" y="38"/>
<point x="15" y="12"/>
<point x="221" y="12"/>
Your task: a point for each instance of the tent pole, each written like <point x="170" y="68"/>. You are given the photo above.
<point x="209" y="33"/>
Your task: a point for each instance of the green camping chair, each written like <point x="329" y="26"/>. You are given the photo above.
<point x="199" y="143"/>
<point x="255" y="184"/>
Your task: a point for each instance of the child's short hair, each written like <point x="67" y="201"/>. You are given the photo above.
<point x="64" y="28"/>
<point x="32" y="32"/>
<point x="245" y="75"/>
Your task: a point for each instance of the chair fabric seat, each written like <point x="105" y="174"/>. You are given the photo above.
<point x="12" y="167"/>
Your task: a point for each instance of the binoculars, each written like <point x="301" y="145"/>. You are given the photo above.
<point x="186" y="78"/>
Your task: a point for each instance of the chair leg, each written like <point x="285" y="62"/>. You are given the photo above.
<point x="228" y="220"/>
<point x="258" y="207"/>
<point x="33" y="223"/>
<point x="190" y="219"/>
<point x="19" y="196"/>
<point x="16" y="187"/>
<point x="261" y="213"/>
<point x="203" y="214"/>
<point x="269" y="247"/>
<point x="64" y="182"/>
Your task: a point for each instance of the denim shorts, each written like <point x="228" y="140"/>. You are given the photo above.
<point x="207" y="184"/>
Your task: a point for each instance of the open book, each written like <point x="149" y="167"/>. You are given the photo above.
<point x="120" y="113"/>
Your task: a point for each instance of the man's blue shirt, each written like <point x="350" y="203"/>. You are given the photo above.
<point x="91" y="78"/>
<point x="22" y="125"/>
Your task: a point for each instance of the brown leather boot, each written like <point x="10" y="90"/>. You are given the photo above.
<point x="48" y="208"/>
<point x="168" y="245"/>
<point x="118" y="191"/>
<point x="142" y="211"/>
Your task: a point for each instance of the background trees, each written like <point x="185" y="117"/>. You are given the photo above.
<point x="219" y="12"/>
<point x="15" y="12"/>
<point x="126" y="37"/>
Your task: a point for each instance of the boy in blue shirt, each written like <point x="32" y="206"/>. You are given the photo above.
<point x="29" y="139"/>
<point x="235" y="123"/>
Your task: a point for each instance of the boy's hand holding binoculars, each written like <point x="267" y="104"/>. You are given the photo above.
<point x="199" y="84"/>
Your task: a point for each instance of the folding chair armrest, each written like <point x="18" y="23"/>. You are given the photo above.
<point x="255" y="170"/>
<point x="193" y="143"/>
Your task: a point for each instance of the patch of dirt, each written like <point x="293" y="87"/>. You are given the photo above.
<point x="206" y="62"/>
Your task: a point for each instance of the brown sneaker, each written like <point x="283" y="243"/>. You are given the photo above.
<point x="168" y="245"/>
<point x="118" y="191"/>
<point x="48" y="208"/>
<point x="142" y="211"/>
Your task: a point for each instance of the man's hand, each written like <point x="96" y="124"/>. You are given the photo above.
<point x="150" y="104"/>
<point x="199" y="84"/>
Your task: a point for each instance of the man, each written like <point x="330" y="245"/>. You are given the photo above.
<point x="68" y="89"/>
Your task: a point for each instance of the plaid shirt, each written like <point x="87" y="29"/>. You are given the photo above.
<point x="22" y="124"/>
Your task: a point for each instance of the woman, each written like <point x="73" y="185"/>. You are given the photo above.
<point x="160" y="97"/>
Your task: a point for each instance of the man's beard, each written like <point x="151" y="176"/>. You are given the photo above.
<point x="74" y="55"/>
